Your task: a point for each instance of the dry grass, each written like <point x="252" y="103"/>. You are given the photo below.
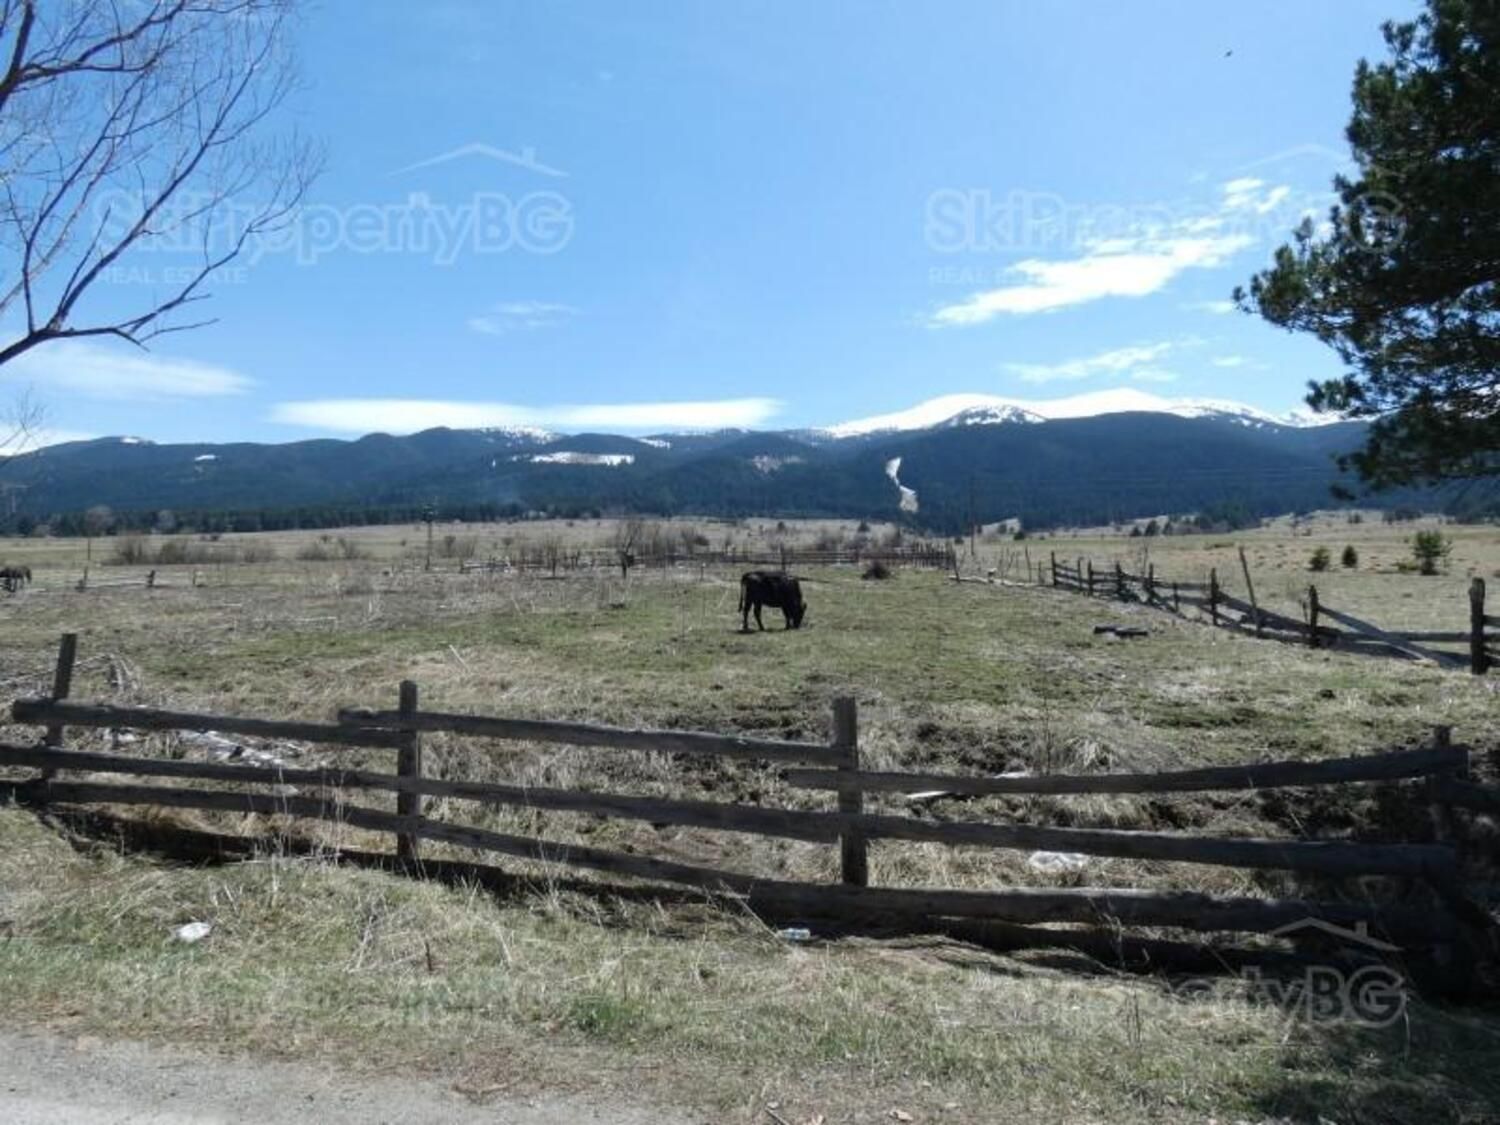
<point x="949" y="677"/>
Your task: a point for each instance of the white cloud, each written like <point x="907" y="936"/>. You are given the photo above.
<point x="1218" y="308"/>
<point x="1229" y="361"/>
<point x="1137" y="262"/>
<point x="521" y="316"/>
<point x="404" y="416"/>
<point x="40" y="439"/>
<point x="1114" y="362"/>
<point x="1250" y="194"/>
<point x="1134" y="267"/>
<point x="98" y="371"/>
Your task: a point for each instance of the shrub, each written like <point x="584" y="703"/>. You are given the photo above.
<point x="1320" y="559"/>
<point x="1350" y="557"/>
<point x="1430" y="549"/>
<point x="459" y="546"/>
<point x="877" y="571"/>
<point x="131" y="550"/>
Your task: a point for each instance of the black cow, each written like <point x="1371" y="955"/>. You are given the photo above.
<point x="12" y="578"/>
<point x="779" y="591"/>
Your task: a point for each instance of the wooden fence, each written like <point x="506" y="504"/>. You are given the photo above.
<point x="553" y="560"/>
<point x="67" y="777"/>
<point x="1480" y="640"/>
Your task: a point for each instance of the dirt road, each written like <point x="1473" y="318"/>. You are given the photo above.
<point x="47" y="1080"/>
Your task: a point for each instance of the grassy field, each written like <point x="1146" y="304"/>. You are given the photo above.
<point x="562" y="983"/>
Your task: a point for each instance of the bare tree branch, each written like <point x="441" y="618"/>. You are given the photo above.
<point x="130" y="128"/>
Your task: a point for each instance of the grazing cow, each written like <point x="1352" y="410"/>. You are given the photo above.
<point x="14" y="577"/>
<point x="779" y="591"/>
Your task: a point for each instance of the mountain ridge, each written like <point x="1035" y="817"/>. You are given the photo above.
<point x="1073" y="467"/>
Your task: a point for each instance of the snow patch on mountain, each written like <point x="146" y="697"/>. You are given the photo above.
<point x="518" y="433"/>
<point x="571" y="457"/>
<point x="908" y="495"/>
<point x="765" y="463"/>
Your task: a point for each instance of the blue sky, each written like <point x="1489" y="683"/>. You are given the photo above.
<point x="678" y="215"/>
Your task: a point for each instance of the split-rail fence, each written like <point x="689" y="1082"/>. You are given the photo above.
<point x="1321" y="626"/>
<point x="71" y="777"/>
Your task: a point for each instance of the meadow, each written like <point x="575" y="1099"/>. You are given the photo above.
<point x="561" y="983"/>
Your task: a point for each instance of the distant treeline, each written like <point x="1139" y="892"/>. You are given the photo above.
<point x="1468" y="506"/>
<point x="96" y="521"/>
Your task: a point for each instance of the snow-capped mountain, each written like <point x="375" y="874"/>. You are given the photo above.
<point x="1086" y="459"/>
<point x="989" y="410"/>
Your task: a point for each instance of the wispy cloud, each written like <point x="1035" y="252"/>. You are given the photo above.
<point x="521" y="316"/>
<point x="1229" y="361"/>
<point x="1250" y="194"/>
<point x="403" y="416"/>
<point x="1138" y="361"/>
<point x="98" y="371"/>
<point x="1121" y="267"/>
<point x="1137" y="262"/>
<point x="1217" y="308"/>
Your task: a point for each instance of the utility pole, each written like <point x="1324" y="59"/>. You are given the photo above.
<point x="428" y="515"/>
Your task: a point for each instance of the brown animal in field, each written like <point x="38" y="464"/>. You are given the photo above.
<point x="14" y="577"/>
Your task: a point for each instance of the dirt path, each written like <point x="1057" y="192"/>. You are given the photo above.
<point x="47" y="1079"/>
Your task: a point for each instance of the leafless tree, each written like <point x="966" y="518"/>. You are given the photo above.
<point x="96" y="521"/>
<point x="20" y="420"/>
<point x="135" y="125"/>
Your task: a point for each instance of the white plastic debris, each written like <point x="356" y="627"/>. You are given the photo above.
<point x="216" y="744"/>
<point x="795" y="933"/>
<point x="1056" y="863"/>
<point x="192" y="932"/>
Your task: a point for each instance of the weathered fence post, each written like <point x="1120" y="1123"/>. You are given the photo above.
<point x="1054" y="568"/>
<point x="1176" y="599"/>
<point x="1250" y="587"/>
<point x="1150" y="583"/>
<point x="1479" y="660"/>
<point x="408" y="764"/>
<point x="62" y="684"/>
<point x="1213" y="595"/>
<point x="1312" y="617"/>
<point x="1440" y="810"/>
<point x="1091" y="577"/>
<point x="854" y="860"/>
<point x="150" y="579"/>
<point x="1119" y="581"/>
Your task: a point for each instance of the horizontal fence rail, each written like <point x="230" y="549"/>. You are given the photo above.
<point x="1267" y="775"/>
<point x="59" y="712"/>
<point x="588" y="734"/>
